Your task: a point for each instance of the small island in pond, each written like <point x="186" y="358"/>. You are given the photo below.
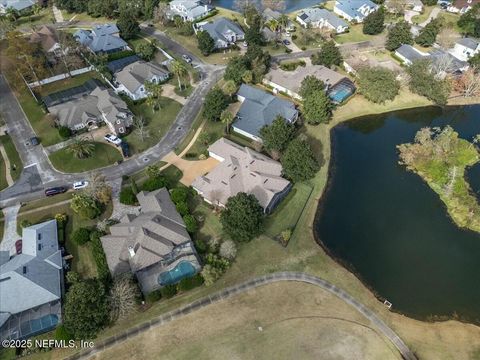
<point x="440" y="157"/>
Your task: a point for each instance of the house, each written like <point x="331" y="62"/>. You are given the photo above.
<point x="259" y="108"/>
<point x="101" y="39"/>
<point x="321" y="18"/>
<point x="465" y="48"/>
<point x="46" y="37"/>
<point x="87" y="106"/>
<point x="415" y="5"/>
<point x="444" y="58"/>
<point x="242" y="169"/>
<point x="31" y="284"/>
<point x="408" y="54"/>
<point x="273" y="15"/>
<point x="462" y="6"/>
<point x="132" y="78"/>
<point x="354" y="10"/>
<point x="19" y="5"/>
<point x="290" y="82"/>
<point x="189" y="10"/>
<point x="153" y="245"/>
<point x="223" y="31"/>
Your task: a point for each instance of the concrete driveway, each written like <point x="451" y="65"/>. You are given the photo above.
<point x="433" y="15"/>
<point x="409" y="14"/>
<point x="191" y="169"/>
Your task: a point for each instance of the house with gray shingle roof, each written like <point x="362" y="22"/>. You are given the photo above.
<point x="465" y="48"/>
<point x="321" y="18"/>
<point x="259" y="108"/>
<point x="223" y="31"/>
<point x="273" y="15"/>
<point x="408" y="54"/>
<point x="132" y="78"/>
<point x="242" y="169"/>
<point x="189" y="10"/>
<point x="101" y="39"/>
<point x="153" y="245"/>
<point x="354" y="10"/>
<point x="31" y="284"/>
<point x="18" y="5"/>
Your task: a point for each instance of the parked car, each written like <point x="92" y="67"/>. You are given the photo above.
<point x="113" y="139"/>
<point x="77" y="185"/>
<point x="125" y="149"/>
<point x="55" y="190"/>
<point x="187" y="58"/>
<point x="18" y="246"/>
<point x="286" y="42"/>
<point x="34" y="141"/>
<point x="245" y="44"/>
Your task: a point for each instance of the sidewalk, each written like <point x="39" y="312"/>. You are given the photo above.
<point x="8" y="174"/>
<point x="10" y="231"/>
<point x="57" y="14"/>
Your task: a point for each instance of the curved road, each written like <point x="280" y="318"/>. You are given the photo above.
<point x="403" y="349"/>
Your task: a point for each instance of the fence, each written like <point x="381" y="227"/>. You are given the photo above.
<point x="60" y="77"/>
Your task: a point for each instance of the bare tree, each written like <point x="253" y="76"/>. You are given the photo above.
<point x="141" y="129"/>
<point x="278" y="5"/>
<point x="441" y="66"/>
<point x="396" y="6"/>
<point x="447" y="37"/>
<point x="98" y="188"/>
<point x="160" y="13"/>
<point x="123" y="297"/>
<point x="468" y="84"/>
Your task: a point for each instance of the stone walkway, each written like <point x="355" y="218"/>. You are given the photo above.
<point x="119" y="209"/>
<point x="227" y="293"/>
<point x="8" y="175"/>
<point x="10" y="231"/>
<point x="169" y="91"/>
<point x="57" y="14"/>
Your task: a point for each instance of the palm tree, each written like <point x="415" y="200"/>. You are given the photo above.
<point x="180" y="70"/>
<point x="283" y="21"/>
<point x="81" y="148"/>
<point x="154" y="94"/>
<point x="230" y="88"/>
<point x="226" y="118"/>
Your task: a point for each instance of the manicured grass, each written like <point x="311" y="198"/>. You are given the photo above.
<point x="46" y="201"/>
<point x="3" y="178"/>
<point x="354" y="35"/>
<point x="417" y="19"/>
<point x="66" y="83"/>
<point x="191" y="133"/>
<point x="84" y="17"/>
<point x="158" y="123"/>
<point x="13" y="156"/>
<point x="215" y="129"/>
<point x="103" y="155"/>
<point x="45" y="16"/>
<point x="185" y="92"/>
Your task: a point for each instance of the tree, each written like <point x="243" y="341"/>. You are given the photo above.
<point x="123" y="297"/>
<point x="86" y="206"/>
<point x="230" y="88"/>
<point x="236" y="68"/>
<point x="215" y="102"/>
<point x="146" y="50"/>
<point x="468" y="84"/>
<point x="469" y="22"/>
<point x="447" y="37"/>
<point x="210" y="274"/>
<point x="429" y="2"/>
<point x="85" y="309"/>
<point x="128" y="26"/>
<point x="253" y="33"/>
<point x="328" y="55"/>
<point x="64" y="132"/>
<point x="278" y="5"/>
<point x="179" y="70"/>
<point x="374" y="22"/>
<point x="98" y="188"/>
<point x="398" y="35"/>
<point x="206" y="44"/>
<point x="310" y="84"/>
<point x="154" y="91"/>
<point x="128" y="197"/>
<point x="378" y="84"/>
<point x="5" y="26"/>
<point x="81" y="148"/>
<point x="317" y="107"/>
<point x="81" y="236"/>
<point x="190" y="223"/>
<point x="242" y="218"/>
<point x="474" y="61"/>
<point x="160" y="13"/>
<point x="277" y="135"/>
<point x="228" y="250"/>
<point x="226" y="118"/>
<point x="424" y="82"/>
<point x="298" y="161"/>
<point x="428" y="34"/>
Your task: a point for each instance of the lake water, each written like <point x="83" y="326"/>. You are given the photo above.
<point x="389" y="227"/>
<point x="291" y="5"/>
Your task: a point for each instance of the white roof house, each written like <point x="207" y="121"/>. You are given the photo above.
<point x="18" y="5"/>
<point x="321" y="18"/>
<point x="354" y="10"/>
<point x="189" y="10"/>
<point x="465" y="48"/>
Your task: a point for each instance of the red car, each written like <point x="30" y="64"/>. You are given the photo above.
<point x="18" y="246"/>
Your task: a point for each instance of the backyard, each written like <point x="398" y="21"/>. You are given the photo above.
<point x="355" y="34"/>
<point x="67" y="83"/>
<point x="103" y="155"/>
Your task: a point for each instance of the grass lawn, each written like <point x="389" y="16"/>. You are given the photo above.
<point x="171" y="173"/>
<point x="84" y="17"/>
<point x="45" y="16"/>
<point x="13" y="156"/>
<point x="354" y="35"/>
<point x="215" y="129"/>
<point x="191" y="133"/>
<point x="66" y="83"/>
<point x="417" y="19"/>
<point x="46" y="201"/>
<point x="3" y="178"/>
<point x="103" y="155"/>
<point x="158" y="123"/>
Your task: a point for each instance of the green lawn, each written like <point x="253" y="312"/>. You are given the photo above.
<point x="66" y="83"/>
<point x="46" y="201"/>
<point x="158" y="123"/>
<point x="424" y="15"/>
<point x="13" y="156"/>
<point x="3" y="178"/>
<point x="215" y="129"/>
<point x="102" y="156"/>
<point x="354" y="35"/>
<point x="45" y="16"/>
<point x="83" y="17"/>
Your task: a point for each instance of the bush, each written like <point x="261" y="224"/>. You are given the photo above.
<point x="120" y="54"/>
<point x="201" y="246"/>
<point x="81" y="236"/>
<point x="168" y="291"/>
<point x="211" y="274"/>
<point x="64" y="132"/>
<point x="127" y="196"/>
<point x="25" y="223"/>
<point x="62" y="334"/>
<point x="182" y="208"/>
<point x="190" y="283"/>
<point x="154" y="296"/>
<point x="154" y="183"/>
<point x="179" y="195"/>
<point x="190" y="223"/>
<point x="228" y="250"/>
<point x="61" y="232"/>
<point x="103" y="271"/>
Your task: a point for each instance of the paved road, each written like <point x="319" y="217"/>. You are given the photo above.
<point x="383" y="328"/>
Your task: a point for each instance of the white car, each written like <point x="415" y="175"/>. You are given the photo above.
<point x="77" y="185"/>
<point x="113" y="139"/>
<point x="187" y="58"/>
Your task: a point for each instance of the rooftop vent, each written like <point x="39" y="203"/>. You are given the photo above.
<point x="131" y="251"/>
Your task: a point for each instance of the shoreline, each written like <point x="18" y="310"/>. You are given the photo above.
<point x="329" y="162"/>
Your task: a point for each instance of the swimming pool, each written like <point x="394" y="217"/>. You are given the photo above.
<point x="182" y="270"/>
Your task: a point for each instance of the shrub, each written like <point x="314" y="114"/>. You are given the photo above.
<point x="285" y="236"/>
<point x="190" y="283"/>
<point x="127" y="196"/>
<point x="81" y="236"/>
<point x="201" y="245"/>
<point x="62" y="334"/>
<point x="154" y="296"/>
<point x="25" y="223"/>
<point x="168" y="291"/>
<point x="228" y="250"/>
<point x="179" y="195"/>
<point x="190" y="223"/>
<point x="64" y="132"/>
<point x="99" y="257"/>
<point x="210" y="274"/>
<point x="182" y="208"/>
<point x="154" y="183"/>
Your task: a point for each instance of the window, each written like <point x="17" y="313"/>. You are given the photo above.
<point x="39" y="236"/>
<point x="39" y="247"/>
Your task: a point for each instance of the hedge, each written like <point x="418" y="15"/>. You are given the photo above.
<point x="190" y="283"/>
<point x="120" y="55"/>
<point x="99" y="257"/>
<point x="168" y="291"/>
<point x="154" y="296"/>
<point x="81" y="236"/>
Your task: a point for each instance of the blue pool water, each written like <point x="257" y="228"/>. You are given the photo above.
<point x="182" y="270"/>
<point x="38" y="326"/>
<point x="340" y="94"/>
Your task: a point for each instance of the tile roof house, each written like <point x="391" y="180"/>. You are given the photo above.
<point x="259" y="108"/>
<point x="408" y="54"/>
<point x="189" y="10"/>
<point x="47" y="38"/>
<point x="462" y="6"/>
<point x="88" y="105"/>
<point x="31" y="284"/>
<point x="154" y="245"/>
<point x="18" y="5"/>
<point x="132" y="78"/>
<point x="223" y="31"/>
<point x="321" y="18"/>
<point x="242" y="169"/>
<point x="290" y="82"/>
<point x="101" y="39"/>
<point x="354" y="10"/>
<point x="465" y="48"/>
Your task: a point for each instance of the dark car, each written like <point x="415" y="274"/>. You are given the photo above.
<point x="18" y="246"/>
<point x="55" y="191"/>
<point x="286" y="42"/>
<point x="34" y="141"/>
<point x="125" y="149"/>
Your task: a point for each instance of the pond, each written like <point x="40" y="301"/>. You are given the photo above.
<point x="389" y="227"/>
<point x="290" y="5"/>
